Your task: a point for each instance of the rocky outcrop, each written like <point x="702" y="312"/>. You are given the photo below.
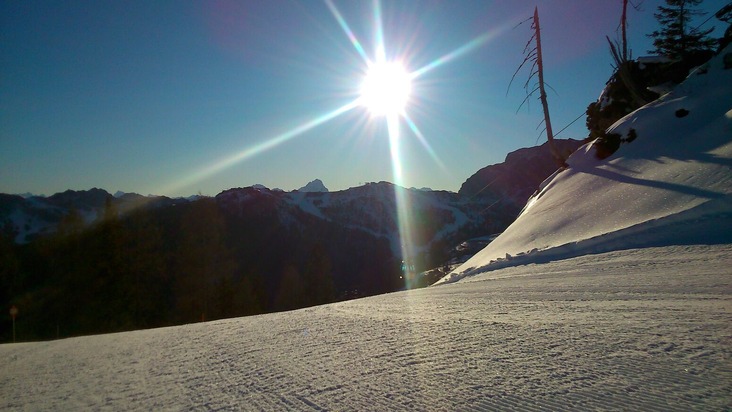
<point x="512" y="182"/>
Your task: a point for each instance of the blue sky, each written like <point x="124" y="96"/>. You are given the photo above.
<point x="181" y="97"/>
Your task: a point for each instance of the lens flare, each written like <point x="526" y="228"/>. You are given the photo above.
<point x="413" y="127"/>
<point x="462" y="50"/>
<point x="403" y="204"/>
<point x="347" y="29"/>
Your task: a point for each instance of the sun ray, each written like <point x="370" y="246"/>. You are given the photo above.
<point x="462" y="50"/>
<point x="379" y="33"/>
<point x="392" y="124"/>
<point x="260" y="148"/>
<point x="344" y="25"/>
<point x="413" y="127"/>
<point x="401" y="196"/>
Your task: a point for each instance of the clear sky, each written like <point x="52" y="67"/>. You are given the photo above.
<point x="181" y="97"/>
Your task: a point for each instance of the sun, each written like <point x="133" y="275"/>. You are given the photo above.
<point x="385" y="89"/>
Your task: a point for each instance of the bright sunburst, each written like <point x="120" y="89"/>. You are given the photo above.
<point x="384" y="92"/>
<point x="385" y="89"/>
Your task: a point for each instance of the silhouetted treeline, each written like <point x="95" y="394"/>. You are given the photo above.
<point x="181" y="264"/>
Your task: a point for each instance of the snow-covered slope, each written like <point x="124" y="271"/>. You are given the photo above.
<point x="672" y="183"/>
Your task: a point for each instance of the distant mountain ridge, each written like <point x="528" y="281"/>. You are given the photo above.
<point x="371" y="208"/>
<point x="36" y="216"/>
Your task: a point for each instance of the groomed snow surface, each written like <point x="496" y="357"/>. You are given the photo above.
<point x="644" y="329"/>
<point x="612" y="291"/>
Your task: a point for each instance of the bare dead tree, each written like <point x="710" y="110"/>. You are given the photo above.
<point x="623" y="29"/>
<point x="533" y="55"/>
<point x="542" y="93"/>
<point x="621" y="58"/>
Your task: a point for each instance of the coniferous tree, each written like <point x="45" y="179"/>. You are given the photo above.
<point x="202" y="259"/>
<point x="70" y="225"/>
<point x="678" y="38"/>
<point x="10" y="276"/>
<point x="290" y="294"/>
<point x="318" y="277"/>
<point x="143" y="276"/>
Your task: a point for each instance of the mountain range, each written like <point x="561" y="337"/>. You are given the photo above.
<point x="486" y="203"/>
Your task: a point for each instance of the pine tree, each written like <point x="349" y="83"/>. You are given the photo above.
<point x="318" y="277"/>
<point x="70" y="225"/>
<point x="290" y="294"/>
<point x="202" y="260"/>
<point x="677" y="38"/>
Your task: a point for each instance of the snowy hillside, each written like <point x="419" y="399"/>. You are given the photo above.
<point x="672" y="183"/>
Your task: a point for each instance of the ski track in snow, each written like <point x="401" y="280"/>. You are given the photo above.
<point x="643" y="329"/>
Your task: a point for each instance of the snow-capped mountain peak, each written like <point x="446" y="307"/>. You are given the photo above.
<point x="314" y="186"/>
